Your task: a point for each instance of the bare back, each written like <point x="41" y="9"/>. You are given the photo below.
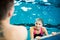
<point x="15" y="33"/>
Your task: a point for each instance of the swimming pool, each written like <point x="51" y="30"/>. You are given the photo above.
<point x="27" y="12"/>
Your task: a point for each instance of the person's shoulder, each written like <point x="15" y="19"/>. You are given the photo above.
<point x="20" y="30"/>
<point x="21" y="26"/>
<point x="43" y="27"/>
<point x="32" y="28"/>
<point x="18" y="27"/>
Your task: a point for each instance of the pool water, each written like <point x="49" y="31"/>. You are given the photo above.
<point x="27" y="12"/>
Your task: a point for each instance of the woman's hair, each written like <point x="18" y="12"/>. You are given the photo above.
<point x="39" y="19"/>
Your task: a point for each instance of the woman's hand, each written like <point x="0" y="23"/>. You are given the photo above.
<point x="54" y="33"/>
<point x="38" y="37"/>
<point x="32" y="38"/>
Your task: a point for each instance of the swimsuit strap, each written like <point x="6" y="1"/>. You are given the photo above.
<point x="41" y="31"/>
<point x="34" y="31"/>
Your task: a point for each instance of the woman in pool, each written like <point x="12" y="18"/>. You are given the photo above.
<point x="38" y="30"/>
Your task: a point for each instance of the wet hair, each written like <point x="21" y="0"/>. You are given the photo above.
<point x="5" y="6"/>
<point x="39" y="19"/>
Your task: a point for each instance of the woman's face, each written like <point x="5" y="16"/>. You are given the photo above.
<point x="38" y="24"/>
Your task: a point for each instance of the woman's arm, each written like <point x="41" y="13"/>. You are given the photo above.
<point x="45" y="31"/>
<point x="31" y="33"/>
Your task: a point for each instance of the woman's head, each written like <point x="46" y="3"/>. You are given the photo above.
<point x="39" y="23"/>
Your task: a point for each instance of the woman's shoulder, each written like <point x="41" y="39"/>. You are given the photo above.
<point x="32" y="28"/>
<point x="43" y="28"/>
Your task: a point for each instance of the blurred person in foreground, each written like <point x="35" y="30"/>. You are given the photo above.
<point x="10" y="32"/>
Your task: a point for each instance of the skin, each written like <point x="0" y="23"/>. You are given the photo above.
<point x="12" y="32"/>
<point x="38" y="25"/>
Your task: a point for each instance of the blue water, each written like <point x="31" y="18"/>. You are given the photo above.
<point x="28" y="12"/>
